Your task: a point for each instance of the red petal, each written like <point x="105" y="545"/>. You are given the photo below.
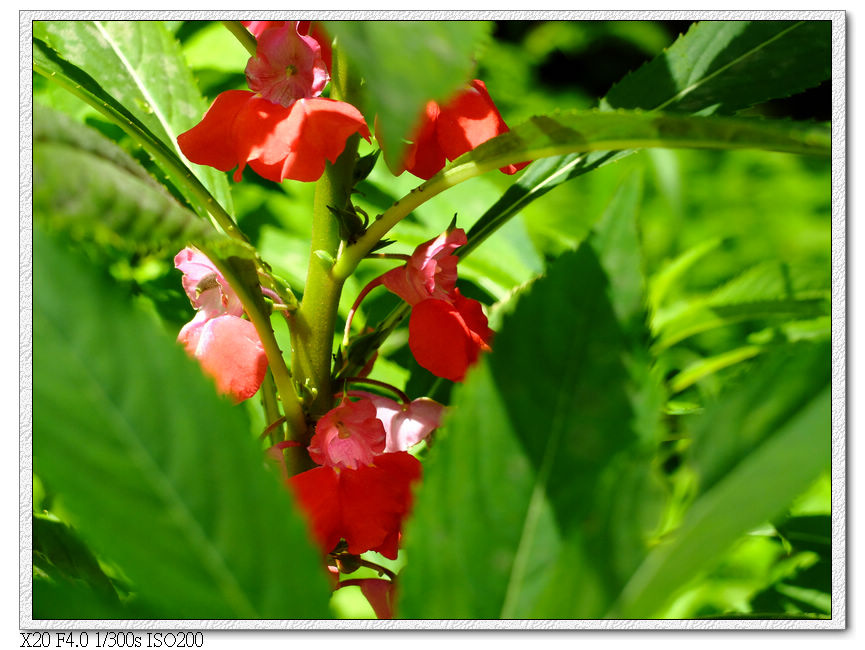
<point x="297" y="144"/>
<point x="317" y="491"/>
<point x="441" y="340"/>
<point x="365" y="506"/>
<point x="425" y="158"/>
<point x="211" y="141"/>
<point x="470" y="119"/>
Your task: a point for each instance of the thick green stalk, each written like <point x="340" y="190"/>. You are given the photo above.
<point x="315" y="320"/>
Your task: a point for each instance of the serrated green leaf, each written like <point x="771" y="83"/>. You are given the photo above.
<point x="405" y="65"/>
<point x="724" y="66"/>
<point x="140" y="64"/>
<point x="570" y="131"/>
<point x="710" y="76"/>
<point x="86" y="185"/>
<point x="160" y="474"/>
<point x="57" y="548"/>
<point x="535" y="500"/>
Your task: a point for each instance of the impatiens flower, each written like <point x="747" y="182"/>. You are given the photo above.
<point x="447" y="331"/>
<point x="284" y="130"/>
<point x="447" y="336"/>
<point x="431" y="271"/>
<point x="286" y="67"/>
<point x="303" y="27"/>
<point x="348" y="435"/>
<point x="447" y="132"/>
<point x="242" y="128"/>
<point x="227" y="346"/>
<point x="362" y="491"/>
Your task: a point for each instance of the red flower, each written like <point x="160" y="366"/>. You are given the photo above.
<point x="303" y="27"/>
<point x="446" y="331"/>
<point x="284" y="130"/>
<point x="447" y="336"/>
<point x="363" y="506"/>
<point x="447" y="132"/>
<point x="362" y="492"/>
<point x="278" y="142"/>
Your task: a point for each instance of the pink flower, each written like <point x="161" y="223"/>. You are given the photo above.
<point x="284" y="130"/>
<point x="287" y="66"/>
<point x="431" y="272"/>
<point x="348" y="435"/>
<point x="405" y="425"/>
<point x="447" y="132"/>
<point x="227" y="346"/>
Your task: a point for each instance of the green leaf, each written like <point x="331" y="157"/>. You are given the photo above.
<point x="58" y="550"/>
<point x="140" y="64"/>
<point x="52" y="66"/>
<point x="537" y="497"/>
<point x="771" y="395"/>
<point x="88" y="186"/>
<point x="709" y="76"/>
<point x="405" y="65"/>
<point x="569" y="131"/>
<point x="779" y="465"/>
<point x="725" y="66"/>
<point x="161" y="475"/>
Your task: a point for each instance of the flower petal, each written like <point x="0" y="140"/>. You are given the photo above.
<point x="211" y="141"/>
<point x="348" y="436"/>
<point x="230" y="351"/>
<point x="442" y="341"/>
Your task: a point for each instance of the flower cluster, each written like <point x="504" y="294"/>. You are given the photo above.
<point x="361" y="490"/>
<point x="225" y="344"/>
<point x="446" y="331"/>
<point x="281" y="128"/>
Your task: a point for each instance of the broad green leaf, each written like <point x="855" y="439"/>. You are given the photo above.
<point x="756" y="489"/>
<point x="52" y="66"/>
<point x="88" y="186"/>
<point x="160" y="474"/>
<point x="140" y="64"/>
<point x="772" y="290"/>
<point x="537" y="484"/>
<point x="405" y="65"/>
<point x="717" y="64"/>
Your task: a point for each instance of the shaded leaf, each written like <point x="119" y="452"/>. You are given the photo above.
<point x="160" y="474"/>
<point x="88" y="186"/>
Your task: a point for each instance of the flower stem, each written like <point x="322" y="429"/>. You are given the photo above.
<point x="241" y="34"/>
<point x="314" y="321"/>
<point x="282" y="377"/>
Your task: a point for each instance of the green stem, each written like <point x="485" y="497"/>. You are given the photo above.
<point x="315" y="320"/>
<point x="241" y="34"/>
<point x="281" y="376"/>
<point x="271" y="408"/>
